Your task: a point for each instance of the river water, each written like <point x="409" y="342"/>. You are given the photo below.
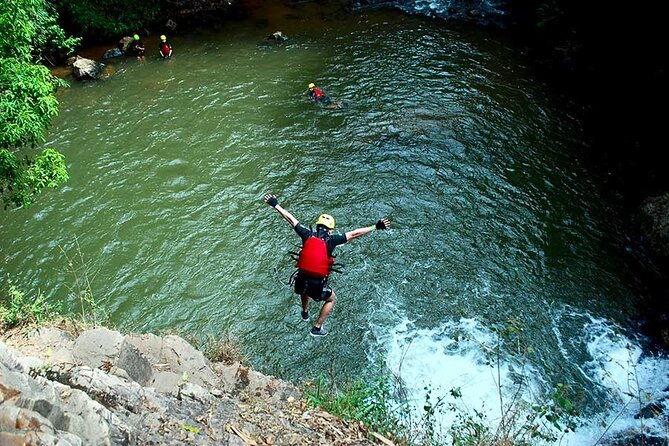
<point x="496" y="225"/>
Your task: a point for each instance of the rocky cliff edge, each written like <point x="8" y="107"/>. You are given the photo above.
<point x="105" y="388"/>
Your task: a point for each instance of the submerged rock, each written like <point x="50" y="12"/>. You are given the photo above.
<point x="276" y="36"/>
<point x="655" y="223"/>
<point x="651" y="410"/>
<point x="112" y="52"/>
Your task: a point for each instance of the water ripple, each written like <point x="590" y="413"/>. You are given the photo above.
<point x="444" y="132"/>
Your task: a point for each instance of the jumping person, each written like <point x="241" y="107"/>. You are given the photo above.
<point x="164" y="47"/>
<point x="315" y="260"/>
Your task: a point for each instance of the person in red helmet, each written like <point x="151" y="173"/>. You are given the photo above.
<point x="314" y="262"/>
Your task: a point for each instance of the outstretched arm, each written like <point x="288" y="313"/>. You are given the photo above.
<point x="271" y="200"/>
<point x="380" y="225"/>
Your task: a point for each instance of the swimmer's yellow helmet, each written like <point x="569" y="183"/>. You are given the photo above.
<point x="163" y="37"/>
<point x="312" y="85"/>
<point x="136" y="37"/>
<point x="326" y="220"/>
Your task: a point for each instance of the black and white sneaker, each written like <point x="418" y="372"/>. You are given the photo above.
<point x="305" y="315"/>
<point x="318" y="331"/>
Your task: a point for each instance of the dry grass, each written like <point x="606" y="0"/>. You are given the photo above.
<point x="224" y="350"/>
<point x="72" y="326"/>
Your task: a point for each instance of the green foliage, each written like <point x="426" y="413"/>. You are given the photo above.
<point x="109" y="18"/>
<point x="27" y="99"/>
<point x="22" y="179"/>
<point x="27" y="102"/>
<point x="367" y="401"/>
<point x="521" y="423"/>
<point x="16" y="310"/>
<point x="50" y="37"/>
<point x="16" y="28"/>
<point x="470" y="427"/>
<point x="29" y="30"/>
<point x="559" y="411"/>
<point x="372" y="402"/>
<point x="428" y="421"/>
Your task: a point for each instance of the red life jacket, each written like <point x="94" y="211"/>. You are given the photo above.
<point x="313" y="259"/>
<point x="318" y="95"/>
<point x="165" y="49"/>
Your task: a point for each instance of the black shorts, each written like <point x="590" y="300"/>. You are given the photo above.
<point x="317" y="289"/>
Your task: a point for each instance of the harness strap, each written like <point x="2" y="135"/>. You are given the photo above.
<point x="336" y="266"/>
<point x="291" y="279"/>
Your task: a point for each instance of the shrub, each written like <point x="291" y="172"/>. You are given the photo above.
<point x="364" y="400"/>
<point x="27" y="100"/>
<point x="224" y="350"/>
<point x="17" y="310"/>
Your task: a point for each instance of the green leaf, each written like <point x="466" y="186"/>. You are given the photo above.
<point x="564" y="403"/>
<point x="189" y="428"/>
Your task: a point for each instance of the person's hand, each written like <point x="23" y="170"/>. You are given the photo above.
<point x="271" y="200"/>
<point x="383" y="224"/>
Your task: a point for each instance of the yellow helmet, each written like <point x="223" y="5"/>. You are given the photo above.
<point x="136" y="37"/>
<point x="163" y="37"/>
<point x="312" y="85"/>
<point x="326" y="220"/>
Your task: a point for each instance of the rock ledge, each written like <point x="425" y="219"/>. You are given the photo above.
<point x="105" y="388"/>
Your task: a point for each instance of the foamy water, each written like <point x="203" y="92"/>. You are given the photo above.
<point x="461" y="356"/>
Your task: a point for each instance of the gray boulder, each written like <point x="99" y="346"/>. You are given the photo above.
<point x="86" y="68"/>
<point x="124" y="43"/>
<point x="96" y="347"/>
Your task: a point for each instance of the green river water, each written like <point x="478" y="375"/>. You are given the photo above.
<point x="445" y="131"/>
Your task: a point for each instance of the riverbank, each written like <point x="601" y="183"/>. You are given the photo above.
<point x="101" y="387"/>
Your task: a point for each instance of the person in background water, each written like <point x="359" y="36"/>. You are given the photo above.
<point x="315" y="260"/>
<point x="276" y="37"/>
<point x="164" y="47"/>
<point x="317" y="95"/>
<point x="137" y="47"/>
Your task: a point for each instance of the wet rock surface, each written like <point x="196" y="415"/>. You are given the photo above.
<point x="655" y="223"/>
